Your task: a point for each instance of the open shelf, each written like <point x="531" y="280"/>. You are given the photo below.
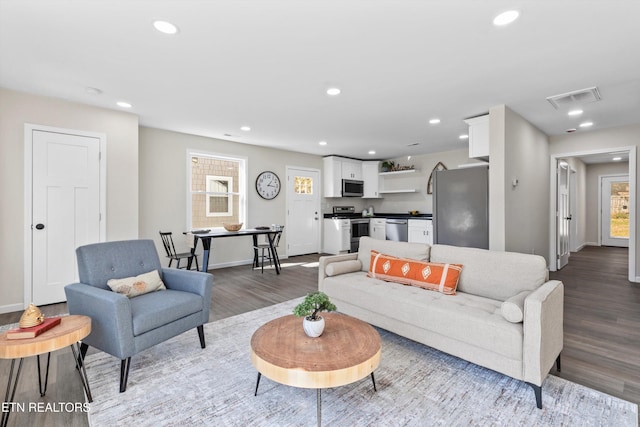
<point x="411" y="190"/>
<point x="398" y="172"/>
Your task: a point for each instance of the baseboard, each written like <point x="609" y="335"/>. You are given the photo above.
<point x="591" y="244"/>
<point x="10" y="308"/>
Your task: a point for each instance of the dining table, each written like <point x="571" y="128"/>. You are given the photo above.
<point x="207" y="236"/>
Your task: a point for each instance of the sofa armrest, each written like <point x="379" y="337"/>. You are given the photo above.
<point x="326" y="260"/>
<point x="543" y="330"/>
<point x="110" y="313"/>
<point x="195" y="282"/>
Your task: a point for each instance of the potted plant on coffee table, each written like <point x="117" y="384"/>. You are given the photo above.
<point x="309" y="308"/>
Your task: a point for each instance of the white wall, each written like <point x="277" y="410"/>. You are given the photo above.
<point x="18" y="108"/>
<point x="163" y="188"/>
<point x="518" y="214"/>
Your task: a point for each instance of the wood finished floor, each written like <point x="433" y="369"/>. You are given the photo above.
<point x="602" y="327"/>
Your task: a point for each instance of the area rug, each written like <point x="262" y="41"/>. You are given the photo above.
<point x="176" y="383"/>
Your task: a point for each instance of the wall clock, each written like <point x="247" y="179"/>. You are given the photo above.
<point x="268" y="185"/>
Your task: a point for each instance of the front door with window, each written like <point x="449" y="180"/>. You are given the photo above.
<point x="303" y="211"/>
<point x="615" y="210"/>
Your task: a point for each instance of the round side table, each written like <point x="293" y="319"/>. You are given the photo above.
<point x="69" y="332"/>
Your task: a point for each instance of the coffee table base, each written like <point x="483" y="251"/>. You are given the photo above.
<point x="318" y="396"/>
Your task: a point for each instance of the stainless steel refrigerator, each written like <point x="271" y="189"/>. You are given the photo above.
<point x="461" y="207"/>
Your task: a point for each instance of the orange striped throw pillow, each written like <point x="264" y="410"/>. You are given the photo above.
<point x="427" y="275"/>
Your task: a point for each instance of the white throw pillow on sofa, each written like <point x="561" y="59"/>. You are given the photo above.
<point x="513" y="308"/>
<point x="342" y="267"/>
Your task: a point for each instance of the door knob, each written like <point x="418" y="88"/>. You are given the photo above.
<point x="39" y="226"/>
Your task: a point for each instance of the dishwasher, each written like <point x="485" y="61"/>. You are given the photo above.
<point x="397" y="229"/>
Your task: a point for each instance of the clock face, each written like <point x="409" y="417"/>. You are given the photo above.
<point x="268" y="185"/>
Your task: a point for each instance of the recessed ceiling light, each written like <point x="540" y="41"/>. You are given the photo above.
<point x="575" y="112"/>
<point x="93" y="90"/>
<point x="372" y="152"/>
<point x="464" y="136"/>
<point x="571" y="130"/>
<point x="322" y="142"/>
<point x="506" y="18"/>
<point x="123" y="104"/>
<point x="333" y="91"/>
<point x="586" y="124"/>
<point x="245" y="128"/>
<point x="617" y="159"/>
<point x="165" y="27"/>
<point x="434" y="121"/>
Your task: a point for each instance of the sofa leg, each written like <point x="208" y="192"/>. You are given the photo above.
<point x="558" y="363"/>
<point x="538" y="392"/>
<point x="201" y="335"/>
<point x="124" y="373"/>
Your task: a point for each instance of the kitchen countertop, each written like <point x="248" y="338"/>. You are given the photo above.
<point x="379" y="215"/>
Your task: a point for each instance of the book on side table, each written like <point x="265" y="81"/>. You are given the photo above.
<point x="34" y="331"/>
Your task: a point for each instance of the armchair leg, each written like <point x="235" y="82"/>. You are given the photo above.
<point x="124" y="373"/>
<point x="201" y="335"/>
<point x="538" y="392"/>
<point x="558" y="363"/>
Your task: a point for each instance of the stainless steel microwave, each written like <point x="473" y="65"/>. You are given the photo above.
<point x="352" y="188"/>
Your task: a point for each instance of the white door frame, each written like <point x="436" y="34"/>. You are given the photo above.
<point x="600" y="182"/>
<point x="28" y="194"/>
<point x="319" y="203"/>
<point x="632" y="204"/>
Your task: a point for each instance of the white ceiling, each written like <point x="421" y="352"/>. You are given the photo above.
<point x="267" y="64"/>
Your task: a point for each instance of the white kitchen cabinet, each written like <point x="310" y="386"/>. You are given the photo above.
<point x="336" y="169"/>
<point x="332" y="177"/>
<point x="478" y="137"/>
<point x="371" y="178"/>
<point x="421" y="231"/>
<point x="337" y="236"/>
<point x="351" y="169"/>
<point x="377" y="228"/>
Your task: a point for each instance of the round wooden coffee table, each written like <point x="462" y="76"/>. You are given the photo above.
<point x="347" y="351"/>
<point x="70" y="330"/>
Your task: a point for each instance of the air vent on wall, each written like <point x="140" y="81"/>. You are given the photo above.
<point x="577" y="97"/>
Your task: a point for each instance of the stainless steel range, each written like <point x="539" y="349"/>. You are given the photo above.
<point x="359" y="226"/>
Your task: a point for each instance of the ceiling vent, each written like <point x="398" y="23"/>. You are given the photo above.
<point x="577" y="97"/>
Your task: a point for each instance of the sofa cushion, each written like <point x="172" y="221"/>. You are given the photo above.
<point x="467" y="318"/>
<point x="427" y="275"/>
<point x="513" y="308"/>
<point x="138" y="285"/>
<point x="417" y="251"/>
<point x="342" y="267"/>
<point x="493" y="274"/>
<point x="156" y="309"/>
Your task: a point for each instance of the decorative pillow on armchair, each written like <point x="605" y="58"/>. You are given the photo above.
<point x="141" y="284"/>
<point x="427" y="275"/>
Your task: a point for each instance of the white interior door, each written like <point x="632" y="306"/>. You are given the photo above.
<point x="614" y="206"/>
<point x="563" y="214"/>
<point x="303" y="211"/>
<point x="65" y="209"/>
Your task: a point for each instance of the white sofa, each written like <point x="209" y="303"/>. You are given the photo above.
<point x="472" y="324"/>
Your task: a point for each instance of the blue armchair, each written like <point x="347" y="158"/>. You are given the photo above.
<point x="123" y="326"/>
